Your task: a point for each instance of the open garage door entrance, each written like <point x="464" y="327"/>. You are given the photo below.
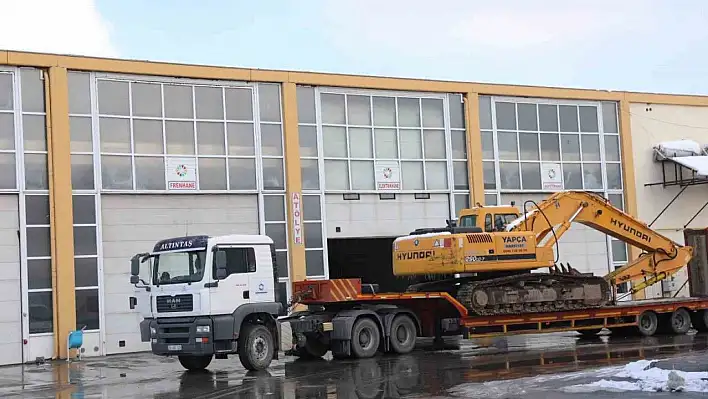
<point x="369" y="259"/>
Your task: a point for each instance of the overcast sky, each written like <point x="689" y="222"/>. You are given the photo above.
<point x="643" y="45"/>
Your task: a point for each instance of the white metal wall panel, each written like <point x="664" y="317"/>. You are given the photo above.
<point x="133" y="223"/>
<point x="584" y="248"/>
<point x="10" y="291"/>
<point x="371" y="216"/>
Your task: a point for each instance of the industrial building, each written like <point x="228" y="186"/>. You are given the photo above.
<point x="104" y="157"/>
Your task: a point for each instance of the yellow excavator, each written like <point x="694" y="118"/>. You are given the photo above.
<point x="488" y="258"/>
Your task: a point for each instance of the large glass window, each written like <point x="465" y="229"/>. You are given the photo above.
<point x="524" y="142"/>
<point x="363" y="134"/>
<point x="542" y="146"/>
<point x="347" y="135"/>
<point x="32" y="127"/>
<point x="158" y="135"/>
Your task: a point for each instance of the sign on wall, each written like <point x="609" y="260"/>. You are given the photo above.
<point x="297" y="218"/>
<point x="181" y="173"/>
<point x="388" y="175"/>
<point x="551" y="177"/>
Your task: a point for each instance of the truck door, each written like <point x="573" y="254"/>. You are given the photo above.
<point x="144" y="297"/>
<point x="235" y="290"/>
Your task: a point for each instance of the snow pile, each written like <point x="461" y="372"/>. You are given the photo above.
<point x="677" y="148"/>
<point x="642" y="376"/>
<point x="698" y="164"/>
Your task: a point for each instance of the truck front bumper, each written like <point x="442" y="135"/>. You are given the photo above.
<point x="181" y="336"/>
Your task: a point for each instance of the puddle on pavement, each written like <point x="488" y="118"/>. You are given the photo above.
<point x="422" y="373"/>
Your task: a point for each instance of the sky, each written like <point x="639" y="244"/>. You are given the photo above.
<point x="635" y="45"/>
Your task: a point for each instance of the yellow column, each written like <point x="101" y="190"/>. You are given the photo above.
<point x="293" y="182"/>
<point x="61" y="208"/>
<point x="474" y="149"/>
<point x="630" y="188"/>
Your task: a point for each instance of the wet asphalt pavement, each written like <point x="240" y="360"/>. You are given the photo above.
<point x="536" y="366"/>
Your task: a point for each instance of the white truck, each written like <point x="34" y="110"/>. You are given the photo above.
<point x="204" y="297"/>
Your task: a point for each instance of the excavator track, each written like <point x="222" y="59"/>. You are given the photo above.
<point x="533" y="293"/>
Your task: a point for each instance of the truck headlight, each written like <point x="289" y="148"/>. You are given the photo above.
<point x="153" y="331"/>
<point x="203" y="329"/>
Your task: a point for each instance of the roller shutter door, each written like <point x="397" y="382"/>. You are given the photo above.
<point x="371" y="216"/>
<point x="581" y="246"/>
<point x="10" y="284"/>
<point x="133" y="223"/>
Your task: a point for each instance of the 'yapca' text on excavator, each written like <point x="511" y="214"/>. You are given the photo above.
<point x="493" y="250"/>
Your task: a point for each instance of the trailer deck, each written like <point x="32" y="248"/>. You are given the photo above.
<point x="432" y="306"/>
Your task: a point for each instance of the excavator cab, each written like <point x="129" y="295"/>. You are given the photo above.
<point x="488" y="218"/>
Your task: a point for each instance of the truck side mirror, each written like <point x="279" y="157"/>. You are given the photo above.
<point x="220" y="260"/>
<point x="134" y="267"/>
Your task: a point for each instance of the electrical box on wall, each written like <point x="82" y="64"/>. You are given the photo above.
<point x="698" y="266"/>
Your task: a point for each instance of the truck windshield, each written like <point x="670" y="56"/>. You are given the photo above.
<point x="179" y="267"/>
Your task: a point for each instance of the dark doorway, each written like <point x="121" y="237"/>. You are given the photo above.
<point x="370" y="259"/>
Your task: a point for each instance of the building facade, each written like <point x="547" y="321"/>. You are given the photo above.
<point x="105" y="157"/>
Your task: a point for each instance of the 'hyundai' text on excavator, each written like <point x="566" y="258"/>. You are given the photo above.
<point x="493" y="250"/>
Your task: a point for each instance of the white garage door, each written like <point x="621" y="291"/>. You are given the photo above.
<point x="584" y="248"/>
<point x="133" y="223"/>
<point x="10" y="291"/>
<point x="371" y="216"/>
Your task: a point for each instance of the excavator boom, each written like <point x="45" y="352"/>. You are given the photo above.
<point x="661" y="258"/>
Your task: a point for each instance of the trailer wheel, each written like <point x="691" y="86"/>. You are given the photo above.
<point x="255" y="347"/>
<point x="194" y="363"/>
<point x="699" y="319"/>
<point x="365" y="338"/>
<point x="648" y="322"/>
<point x="403" y="334"/>
<point x="680" y="321"/>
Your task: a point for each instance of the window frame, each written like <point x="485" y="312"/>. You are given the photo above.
<point x="250" y="257"/>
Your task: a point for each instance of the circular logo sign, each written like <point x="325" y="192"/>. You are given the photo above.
<point x="416" y="242"/>
<point x="181" y="170"/>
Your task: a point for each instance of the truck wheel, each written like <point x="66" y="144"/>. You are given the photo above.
<point x="648" y="322"/>
<point x="255" y="347"/>
<point x="699" y="319"/>
<point x="680" y="321"/>
<point x="194" y="363"/>
<point x="365" y="338"/>
<point x="403" y="334"/>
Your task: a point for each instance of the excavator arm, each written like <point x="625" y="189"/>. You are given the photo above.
<point x="661" y="258"/>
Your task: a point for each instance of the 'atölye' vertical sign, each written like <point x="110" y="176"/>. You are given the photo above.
<point x="297" y="218"/>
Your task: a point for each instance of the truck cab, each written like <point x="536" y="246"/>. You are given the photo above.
<point x="209" y="296"/>
<point x="488" y="218"/>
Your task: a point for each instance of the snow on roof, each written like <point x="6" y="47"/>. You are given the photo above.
<point x="678" y="148"/>
<point x="698" y="163"/>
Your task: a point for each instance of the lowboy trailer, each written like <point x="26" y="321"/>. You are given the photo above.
<point x="350" y="322"/>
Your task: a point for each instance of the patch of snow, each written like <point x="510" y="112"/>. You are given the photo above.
<point x="405" y="238"/>
<point x="697" y="163"/>
<point x="642" y="376"/>
<point x="679" y="148"/>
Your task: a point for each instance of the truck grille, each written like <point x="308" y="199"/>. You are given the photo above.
<point x="177" y="303"/>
